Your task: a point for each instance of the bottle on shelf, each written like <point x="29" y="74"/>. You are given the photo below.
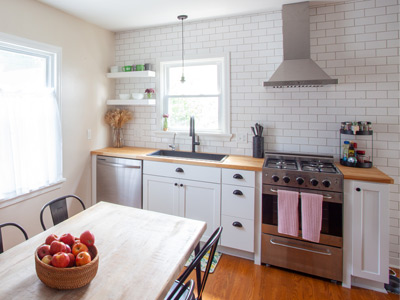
<point x="345" y="150"/>
<point x="352" y="152"/>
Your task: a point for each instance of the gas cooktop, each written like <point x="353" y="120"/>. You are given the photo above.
<point x="310" y="171"/>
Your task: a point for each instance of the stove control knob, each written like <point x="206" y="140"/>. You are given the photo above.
<point x="300" y="180"/>
<point x="286" y="179"/>
<point x="314" y="182"/>
<point x="326" y="183"/>
<point x="275" y="178"/>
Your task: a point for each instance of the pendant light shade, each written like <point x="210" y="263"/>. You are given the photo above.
<point x="181" y="18"/>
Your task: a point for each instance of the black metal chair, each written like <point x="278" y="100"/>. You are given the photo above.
<point x="184" y="292"/>
<point x="211" y="245"/>
<point x="10" y="224"/>
<point x="58" y="209"/>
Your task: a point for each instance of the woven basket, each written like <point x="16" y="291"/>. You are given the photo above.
<point x="67" y="278"/>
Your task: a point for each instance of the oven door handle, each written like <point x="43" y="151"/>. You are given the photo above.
<point x="328" y="252"/>
<point x="327" y="196"/>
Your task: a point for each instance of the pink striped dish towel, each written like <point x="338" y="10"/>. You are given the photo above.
<point x="311" y="216"/>
<point x="288" y="214"/>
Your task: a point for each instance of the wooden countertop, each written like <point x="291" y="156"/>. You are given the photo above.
<point x="365" y="174"/>
<point x="238" y="162"/>
<point x="232" y="162"/>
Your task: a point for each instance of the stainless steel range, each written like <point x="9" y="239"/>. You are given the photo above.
<point x="308" y="173"/>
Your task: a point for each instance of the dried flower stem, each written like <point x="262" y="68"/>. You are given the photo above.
<point x="116" y="118"/>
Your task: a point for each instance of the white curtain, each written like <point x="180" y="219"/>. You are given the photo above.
<point x="30" y="141"/>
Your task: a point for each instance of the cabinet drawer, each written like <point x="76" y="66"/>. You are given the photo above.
<point x="238" y="201"/>
<point x="238" y="177"/>
<point x="241" y="238"/>
<point x="182" y="171"/>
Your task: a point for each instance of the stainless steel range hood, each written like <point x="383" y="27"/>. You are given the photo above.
<point x="297" y="68"/>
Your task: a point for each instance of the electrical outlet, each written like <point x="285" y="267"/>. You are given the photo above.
<point x="89" y="134"/>
<point x="242" y="137"/>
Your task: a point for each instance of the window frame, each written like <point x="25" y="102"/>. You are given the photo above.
<point x="53" y="55"/>
<point x="223" y="63"/>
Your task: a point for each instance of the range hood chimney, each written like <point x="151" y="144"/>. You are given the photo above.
<point x="297" y="68"/>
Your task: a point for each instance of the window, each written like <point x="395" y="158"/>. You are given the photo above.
<point x="204" y="94"/>
<point x="30" y="127"/>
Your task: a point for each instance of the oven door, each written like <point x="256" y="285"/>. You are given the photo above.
<point x="332" y="215"/>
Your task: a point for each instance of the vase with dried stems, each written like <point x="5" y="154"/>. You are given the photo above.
<point x="116" y="118"/>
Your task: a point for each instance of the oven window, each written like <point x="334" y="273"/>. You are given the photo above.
<point x="332" y="219"/>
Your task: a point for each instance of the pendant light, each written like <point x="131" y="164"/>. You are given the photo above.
<point x="182" y="17"/>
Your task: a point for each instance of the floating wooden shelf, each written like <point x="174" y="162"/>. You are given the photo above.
<point x="142" y="102"/>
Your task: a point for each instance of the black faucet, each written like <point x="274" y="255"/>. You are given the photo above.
<point x="193" y="134"/>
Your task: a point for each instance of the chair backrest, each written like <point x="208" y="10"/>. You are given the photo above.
<point x="211" y="245"/>
<point x="184" y="291"/>
<point x="10" y="224"/>
<point x="58" y="209"/>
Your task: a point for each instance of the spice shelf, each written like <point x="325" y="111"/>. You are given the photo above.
<point x="358" y="164"/>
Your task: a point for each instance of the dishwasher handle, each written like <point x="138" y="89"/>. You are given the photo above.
<point x="100" y="162"/>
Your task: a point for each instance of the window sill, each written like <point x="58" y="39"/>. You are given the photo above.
<point x="35" y="193"/>
<point x="224" y="137"/>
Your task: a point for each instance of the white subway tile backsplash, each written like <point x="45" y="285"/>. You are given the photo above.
<point x="356" y="42"/>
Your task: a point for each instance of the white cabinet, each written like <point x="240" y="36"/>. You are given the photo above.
<point x="160" y="194"/>
<point x="366" y="229"/>
<point x="237" y="213"/>
<point x="183" y="190"/>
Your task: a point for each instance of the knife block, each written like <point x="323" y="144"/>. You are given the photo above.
<point x="258" y="146"/>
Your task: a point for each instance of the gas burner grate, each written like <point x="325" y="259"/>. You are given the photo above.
<point x="318" y="167"/>
<point x="281" y="164"/>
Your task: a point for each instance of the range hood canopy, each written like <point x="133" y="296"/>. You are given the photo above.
<point x="297" y="68"/>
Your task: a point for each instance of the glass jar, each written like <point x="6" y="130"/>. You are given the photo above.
<point x="165" y="124"/>
<point x="117" y="137"/>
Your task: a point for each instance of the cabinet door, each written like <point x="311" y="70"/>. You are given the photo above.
<point x="160" y="194"/>
<point x="201" y="201"/>
<point x="370" y="228"/>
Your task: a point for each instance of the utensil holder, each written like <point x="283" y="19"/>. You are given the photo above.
<point x="258" y="146"/>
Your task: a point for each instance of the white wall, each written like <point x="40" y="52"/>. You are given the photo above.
<point x="87" y="53"/>
<point x="356" y="42"/>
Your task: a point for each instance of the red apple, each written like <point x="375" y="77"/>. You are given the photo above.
<point x="87" y="238"/>
<point x="82" y="258"/>
<point x="79" y="247"/>
<point x="71" y="260"/>
<point x="67" y="249"/>
<point x="43" y="251"/>
<point x="67" y="239"/>
<point x="60" y="260"/>
<point x="47" y="259"/>
<point x="51" y="237"/>
<point x="57" y="246"/>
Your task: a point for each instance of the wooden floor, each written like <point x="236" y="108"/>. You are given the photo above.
<point x="236" y="278"/>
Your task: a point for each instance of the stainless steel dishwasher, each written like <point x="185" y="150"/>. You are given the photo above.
<point x="119" y="180"/>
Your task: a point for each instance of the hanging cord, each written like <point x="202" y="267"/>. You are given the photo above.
<point x="183" y="17"/>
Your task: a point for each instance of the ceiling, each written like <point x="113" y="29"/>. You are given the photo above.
<point x="120" y="15"/>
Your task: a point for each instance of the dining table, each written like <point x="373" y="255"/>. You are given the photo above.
<point x="141" y="253"/>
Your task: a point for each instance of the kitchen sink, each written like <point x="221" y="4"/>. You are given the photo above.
<point x="189" y="155"/>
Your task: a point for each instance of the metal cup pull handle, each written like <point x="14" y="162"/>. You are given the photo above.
<point x="237" y="224"/>
<point x="179" y="170"/>
<point x="238" y="192"/>
<point x="238" y="176"/>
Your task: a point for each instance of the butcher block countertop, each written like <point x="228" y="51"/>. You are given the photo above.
<point x="232" y="162"/>
<point x="237" y="162"/>
<point x="365" y="174"/>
